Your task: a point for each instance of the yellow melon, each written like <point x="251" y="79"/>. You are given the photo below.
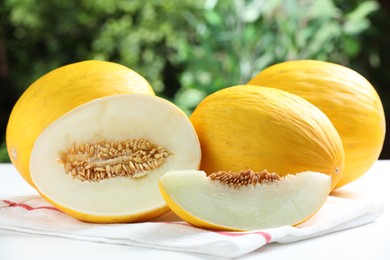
<point x="244" y="201"/>
<point x="93" y="139"/>
<point x="247" y="127"/>
<point x="346" y="97"/>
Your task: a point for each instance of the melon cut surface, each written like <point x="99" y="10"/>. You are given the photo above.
<point x="211" y="204"/>
<point x="121" y="195"/>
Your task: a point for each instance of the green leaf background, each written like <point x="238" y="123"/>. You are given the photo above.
<point x="188" y="49"/>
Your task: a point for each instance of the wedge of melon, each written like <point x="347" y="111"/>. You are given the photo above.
<point x="101" y="161"/>
<point x="244" y="201"/>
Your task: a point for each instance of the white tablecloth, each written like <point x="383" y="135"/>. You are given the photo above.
<point x="346" y="244"/>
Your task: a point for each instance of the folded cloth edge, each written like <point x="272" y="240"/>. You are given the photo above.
<point x="223" y="244"/>
<point x="361" y="212"/>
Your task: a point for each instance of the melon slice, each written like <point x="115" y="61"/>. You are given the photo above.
<point x="244" y="201"/>
<point x="101" y="161"/>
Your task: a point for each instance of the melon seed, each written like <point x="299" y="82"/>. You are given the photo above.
<point x="244" y="177"/>
<point x="102" y="160"/>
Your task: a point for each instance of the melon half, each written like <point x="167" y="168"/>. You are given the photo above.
<point x="221" y="201"/>
<point x="101" y="161"/>
<point x="93" y="139"/>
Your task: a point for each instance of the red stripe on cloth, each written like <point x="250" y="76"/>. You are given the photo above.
<point x="26" y="206"/>
<point x="265" y="235"/>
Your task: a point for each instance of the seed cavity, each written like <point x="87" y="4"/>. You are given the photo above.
<point x="244" y="177"/>
<point x="103" y="160"/>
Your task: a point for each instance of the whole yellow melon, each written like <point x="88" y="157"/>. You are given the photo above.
<point x="247" y="127"/>
<point x="346" y="97"/>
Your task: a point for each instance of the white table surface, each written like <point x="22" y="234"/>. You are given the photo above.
<point x="371" y="241"/>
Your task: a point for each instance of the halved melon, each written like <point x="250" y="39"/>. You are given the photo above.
<point x="101" y="161"/>
<point x="246" y="200"/>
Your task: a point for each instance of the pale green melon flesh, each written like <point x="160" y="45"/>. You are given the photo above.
<point x="266" y="205"/>
<point x="113" y="118"/>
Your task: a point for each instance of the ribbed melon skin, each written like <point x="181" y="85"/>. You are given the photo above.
<point x="248" y="127"/>
<point x="346" y="97"/>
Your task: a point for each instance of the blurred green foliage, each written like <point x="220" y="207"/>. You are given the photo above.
<point x="185" y="49"/>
